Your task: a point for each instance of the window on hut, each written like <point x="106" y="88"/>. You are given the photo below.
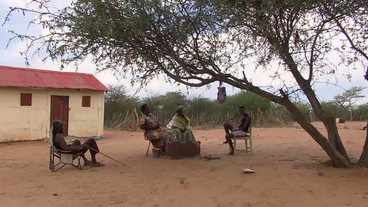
<point x="26" y="99"/>
<point x="86" y="101"/>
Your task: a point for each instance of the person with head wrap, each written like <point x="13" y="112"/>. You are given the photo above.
<point x="152" y="129"/>
<point x="181" y="126"/>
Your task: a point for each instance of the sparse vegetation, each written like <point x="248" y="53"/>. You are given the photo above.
<point x="122" y="111"/>
<point x="196" y="43"/>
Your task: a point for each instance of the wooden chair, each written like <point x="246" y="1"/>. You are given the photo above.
<point x="64" y="157"/>
<point x="246" y="138"/>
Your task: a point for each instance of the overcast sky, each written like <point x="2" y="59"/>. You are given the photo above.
<point x="12" y="57"/>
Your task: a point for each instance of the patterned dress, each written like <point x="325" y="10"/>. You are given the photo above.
<point x="163" y="134"/>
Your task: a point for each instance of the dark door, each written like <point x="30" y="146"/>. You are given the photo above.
<point x="60" y="110"/>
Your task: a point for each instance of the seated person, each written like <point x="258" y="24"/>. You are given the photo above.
<point x="152" y="129"/>
<point x="76" y="146"/>
<point x="181" y="127"/>
<point x="242" y="130"/>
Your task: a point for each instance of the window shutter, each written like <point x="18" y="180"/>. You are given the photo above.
<point x="26" y="99"/>
<point x="86" y="101"/>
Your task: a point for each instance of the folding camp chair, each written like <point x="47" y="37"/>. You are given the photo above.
<point x="65" y="157"/>
<point x="246" y="138"/>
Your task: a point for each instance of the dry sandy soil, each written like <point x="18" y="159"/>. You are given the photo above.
<point x="286" y="161"/>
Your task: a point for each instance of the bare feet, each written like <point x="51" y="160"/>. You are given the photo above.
<point x="231" y="153"/>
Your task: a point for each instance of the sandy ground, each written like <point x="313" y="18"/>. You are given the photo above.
<point x="286" y="161"/>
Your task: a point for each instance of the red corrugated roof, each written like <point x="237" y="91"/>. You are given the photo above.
<point x="25" y="77"/>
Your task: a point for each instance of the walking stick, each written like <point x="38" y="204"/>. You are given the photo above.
<point x="107" y="156"/>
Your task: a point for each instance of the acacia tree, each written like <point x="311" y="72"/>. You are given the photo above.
<point x="350" y="19"/>
<point x="199" y="42"/>
<point x="348" y="99"/>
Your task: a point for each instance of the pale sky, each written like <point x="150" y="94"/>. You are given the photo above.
<point x="12" y="57"/>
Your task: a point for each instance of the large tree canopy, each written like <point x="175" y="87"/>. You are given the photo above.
<point x="197" y="42"/>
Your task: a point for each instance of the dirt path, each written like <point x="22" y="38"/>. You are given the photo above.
<point x="286" y="161"/>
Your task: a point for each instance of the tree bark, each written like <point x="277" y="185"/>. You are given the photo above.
<point x="351" y="114"/>
<point x="364" y="156"/>
<point x="334" y="137"/>
<point x="337" y="159"/>
<point x="329" y="122"/>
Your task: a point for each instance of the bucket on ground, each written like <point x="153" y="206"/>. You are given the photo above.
<point x="156" y="152"/>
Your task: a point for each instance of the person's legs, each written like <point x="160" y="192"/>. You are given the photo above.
<point x="177" y="133"/>
<point x="156" y="143"/>
<point x="76" y="143"/>
<point x="228" y="140"/>
<point x="189" y="136"/>
<point x="93" y="148"/>
<point x="163" y="145"/>
<point x="166" y="136"/>
<point x="228" y="127"/>
<point x="83" y="150"/>
<point x="169" y="136"/>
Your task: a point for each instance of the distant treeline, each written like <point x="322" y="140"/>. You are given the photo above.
<point x="123" y="111"/>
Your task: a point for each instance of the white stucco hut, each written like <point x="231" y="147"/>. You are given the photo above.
<point x="31" y="98"/>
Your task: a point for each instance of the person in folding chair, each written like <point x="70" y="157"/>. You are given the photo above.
<point x="153" y="131"/>
<point x="242" y="130"/>
<point x="76" y="146"/>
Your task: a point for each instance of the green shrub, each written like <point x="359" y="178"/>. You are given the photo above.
<point x="361" y="113"/>
<point x="123" y="111"/>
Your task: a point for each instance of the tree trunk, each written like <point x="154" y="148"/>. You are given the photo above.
<point x="329" y="122"/>
<point x="334" y="137"/>
<point x="351" y="114"/>
<point x="336" y="157"/>
<point x="364" y="156"/>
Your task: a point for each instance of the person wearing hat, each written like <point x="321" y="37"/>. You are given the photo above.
<point x="181" y="126"/>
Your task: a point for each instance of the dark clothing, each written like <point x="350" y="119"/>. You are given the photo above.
<point x="242" y="130"/>
<point x="244" y="118"/>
